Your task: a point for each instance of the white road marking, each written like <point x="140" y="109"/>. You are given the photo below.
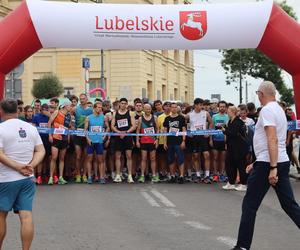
<point x="198" y="225"/>
<point x="150" y="200"/>
<point x="162" y="198"/>
<point x="173" y="212"/>
<point x="227" y="241"/>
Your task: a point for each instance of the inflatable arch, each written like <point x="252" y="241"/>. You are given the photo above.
<point x="98" y="90"/>
<point x="45" y="24"/>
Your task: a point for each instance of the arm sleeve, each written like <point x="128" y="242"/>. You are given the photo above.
<point x="267" y="117"/>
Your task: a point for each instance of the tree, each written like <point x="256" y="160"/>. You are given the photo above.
<point x="47" y="87"/>
<point x="251" y="62"/>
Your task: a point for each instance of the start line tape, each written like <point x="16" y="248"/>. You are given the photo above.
<point x="293" y="125"/>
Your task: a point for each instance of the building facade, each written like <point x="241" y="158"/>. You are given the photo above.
<point x="155" y="74"/>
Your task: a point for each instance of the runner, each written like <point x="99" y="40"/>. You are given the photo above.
<point x="37" y="106"/>
<point x="123" y="122"/>
<point x="21" y="150"/>
<point x="95" y="123"/>
<point x="198" y="120"/>
<point x="161" y="152"/>
<point x="175" y="144"/>
<point x="41" y="120"/>
<point x="218" y="144"/>
<point x="158" y="108"/>
<point x="147" y="124"/>
<point x="60" y="120"/>
<point x="82" y="111"/>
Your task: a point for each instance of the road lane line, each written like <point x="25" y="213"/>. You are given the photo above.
<point x="198" y="225"/>
<point x="162" y="198"/>
<point x="227" y="241"/>
<point x="173" y="212"/>
<point x="150" y="200"/>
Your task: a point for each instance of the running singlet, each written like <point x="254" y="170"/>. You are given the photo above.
<point x="198" y="120"/>
<point x="60" y="123"/>
<point x="123" y="122"/>
<point x="80" y="116"/>
<point x="148" y="127"/>
<point x="219" y="121"/>
<point x="41" y="120"/>
<point x="96" y="124"/>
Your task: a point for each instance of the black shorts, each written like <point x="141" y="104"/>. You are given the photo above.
<point x="219" y="145"/>
<point x="148" y="147"/>
<point x="188" y="145"/>
<point x="79" y="141"/>
<point x="123" y="144"/>
<point x="199" y="144"/>
<point x="160" y="149"/>
<point x="60" y="144"/>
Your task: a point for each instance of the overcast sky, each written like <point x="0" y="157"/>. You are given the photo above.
<point x="209" y="74"/>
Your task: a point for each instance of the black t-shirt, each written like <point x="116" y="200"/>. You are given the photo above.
<point x="174" y="124"/>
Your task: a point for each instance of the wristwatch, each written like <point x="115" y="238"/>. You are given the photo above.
<point x="273" y="167"/>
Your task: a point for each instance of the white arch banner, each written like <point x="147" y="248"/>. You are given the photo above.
<point x="123" y="26"/>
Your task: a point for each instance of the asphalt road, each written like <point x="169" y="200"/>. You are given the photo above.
<point x="150" y="217"/>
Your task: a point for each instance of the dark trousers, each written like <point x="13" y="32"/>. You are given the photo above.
<point x="236" y="161"/>
<point x="258" y="186"/>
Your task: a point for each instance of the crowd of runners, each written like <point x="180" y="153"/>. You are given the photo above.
<point x="89" y="158"/>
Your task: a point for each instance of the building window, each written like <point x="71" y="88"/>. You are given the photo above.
<point x="186" y="58"/>
<point x="150" y="90"/>
<point x="176" y="55"/>
<point x="95" y="83"/>
<point x="164" y="92"/>
<point x="158" y="95"/>
<point x="176" y="97"/>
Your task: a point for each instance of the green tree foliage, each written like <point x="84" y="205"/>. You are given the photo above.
<point x="47" y="87"/>
<point x="253" y="63"/>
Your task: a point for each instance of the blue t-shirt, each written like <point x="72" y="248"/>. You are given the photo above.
<point x="80" y="116"/>
<point x="41" y="120"/>
<point x="96" y="124"/>
<point x="219" y="121"/>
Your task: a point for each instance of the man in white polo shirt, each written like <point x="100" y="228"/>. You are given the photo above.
<point x="271" y="167"/>
<point x="21" y="150"/>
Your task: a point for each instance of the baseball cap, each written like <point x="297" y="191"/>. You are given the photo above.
<point x="66" y="103"/>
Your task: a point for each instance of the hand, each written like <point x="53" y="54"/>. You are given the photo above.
<point x="107" y="144"/>
<point x="26" y="170"/>
<point x="273" y="178"/>
<point x="211" y="143"/>
<point x="165" y="146"/>
<point x="122" y="132"/>
<point x="156" y="144"/>
<point x="89" y="142"/>
<point x="182" y="145"/>
<point x="249" y="168"/>
<point x="50" y="139"/>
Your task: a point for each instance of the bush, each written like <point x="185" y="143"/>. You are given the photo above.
<point x="47" y="87"/>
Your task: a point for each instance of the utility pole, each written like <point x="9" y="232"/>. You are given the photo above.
<point x="102" y="82"/>
<point x="241" y="86"/>
<point x="246" y="92"/>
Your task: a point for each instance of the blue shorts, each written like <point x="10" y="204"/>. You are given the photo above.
<point x="17" y="195"/>
<point x="98" y="147"/>
<point x="172" y="150"/>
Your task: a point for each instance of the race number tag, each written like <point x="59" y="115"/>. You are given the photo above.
<point x="199" y="126"/>
<point x="43" y="125"/>
<point x="174" y="130"/>
<point x="96" y="129"/>
<point x="59" y="131"/>
<point x="149" y="130"/>
<point x="122" y="123"/>
<point x="82" y="134"/>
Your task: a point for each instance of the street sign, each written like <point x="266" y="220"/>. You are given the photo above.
<point x="86" y="63"/>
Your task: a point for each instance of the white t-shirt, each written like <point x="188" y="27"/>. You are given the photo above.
<point x="248" y="121"/>
<point x="270" y="115"/>
<point x="17" y="139"/>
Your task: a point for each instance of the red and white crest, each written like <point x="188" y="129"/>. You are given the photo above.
<point x="193" y="24"/>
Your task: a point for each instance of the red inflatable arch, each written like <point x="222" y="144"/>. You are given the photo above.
<point x="44" y="24"/>
<point x="98" y="90"/>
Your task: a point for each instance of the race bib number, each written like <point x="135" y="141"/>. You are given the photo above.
<point x="82" y="134"/>
<point x="150" y="130"/>
<point x="59" y="131"/>
<point x="96" y="129"/>
<point x="122" y="123"/>
<point x="43" y="125"/>
<point x="199" y="126"/>
<point x="174" y="130"/>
